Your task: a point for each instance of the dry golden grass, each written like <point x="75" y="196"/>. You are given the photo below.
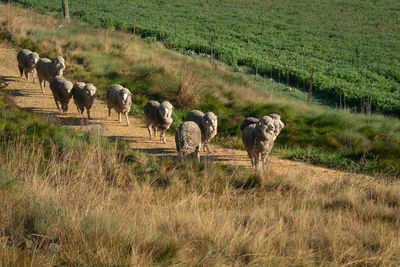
<point x="104" y="211"/>
<point x="187" y="96"/>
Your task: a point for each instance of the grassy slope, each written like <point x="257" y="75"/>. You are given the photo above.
<point x="316" y="134"/>
<point x="358" y="41"/>
<point x="75" y="199"/>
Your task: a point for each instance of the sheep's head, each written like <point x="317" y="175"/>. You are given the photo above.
<point x="277" y="123"/>
<point x="165" y="110"/>
<point x="125" y="95"/>
<point x="248" y="121"/>
<point x="265" y="126"/>
<point x="33" y="58"/>
<point x="90" y="89"/>
<point x="58" y="63"/>
<point x="210" y="123"/>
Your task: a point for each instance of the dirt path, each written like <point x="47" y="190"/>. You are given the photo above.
<point x="28" y="96"/>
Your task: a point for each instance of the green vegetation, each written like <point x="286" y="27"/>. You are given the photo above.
<point x="80" y="200"/>
<point x="358" y="42"/>
<point x="316" y="134"/>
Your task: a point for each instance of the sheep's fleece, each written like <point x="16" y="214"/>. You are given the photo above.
<point x="62" y="92"/>
<point x="258" y="139"/>
<point x="84" y="96"/>
<point x="27" y="62"/>
<point x="188" y="140"/>
<point x="119" y="99"/>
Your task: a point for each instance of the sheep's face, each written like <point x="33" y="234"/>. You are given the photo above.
<point x="90" y="89"/>
<point x="33" y="58"/>
<point x="277" y="123"/>
<point x="125" y="95"/>
<point x="59" y="63"/>
<point x="165" y="110"/>
<point x="210" y="123"/>
<point x="266" y="124"/>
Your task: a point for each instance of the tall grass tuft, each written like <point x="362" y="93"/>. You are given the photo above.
<point x="188" y="91"/>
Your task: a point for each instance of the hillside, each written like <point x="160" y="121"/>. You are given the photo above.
<point x="74" y="198"/>
<point x="352" y="44"/>
<point x="79" y="193"/>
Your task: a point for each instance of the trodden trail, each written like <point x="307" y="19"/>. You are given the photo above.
<point x="28" y="96"/>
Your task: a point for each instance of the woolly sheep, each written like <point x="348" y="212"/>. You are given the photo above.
<point x="27" y="62"/>
<point x="248" y="121"/>
<point x="279" y="125"/>
<point x="119" y="99"/>
<point x="207" y="123"/>
<point x="158" y="116"/>
<point x="48" y="69"/>
<point x="188" y="140"/>
<point x="258" y="139"/>
<point x="84" y="96"/>
<point x="62" y="92"/>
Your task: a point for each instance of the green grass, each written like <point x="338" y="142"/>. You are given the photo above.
<point x="318" y="134"/>
<point x="356" y="41"/>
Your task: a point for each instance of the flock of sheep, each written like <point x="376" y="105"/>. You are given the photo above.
<point x="198" y="129"/>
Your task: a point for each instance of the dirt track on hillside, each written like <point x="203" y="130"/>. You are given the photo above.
<point x="28" y="96"/>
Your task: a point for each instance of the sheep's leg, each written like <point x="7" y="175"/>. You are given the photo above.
<point x="197" y="153"/>
<point x="21" y="70"/>
<point x="41" y="84"/>
<point x="207" y="147"/>
<point x="256" y="161"/>
<point x="127" y="120"/>
<point x="155" y="131"/>
<point x="162" y="135"/>
<point x="264" y="157"/>
<point x="149" y="128"/>
<point x="109" y="112"/>
<point x="58" y="106"/>
<point x="119" y="117"/>
<point x="88" y="114"/>
<point x="34" y="76"/>
<point x="26" y="75"/>
<point x="253" y="162"/>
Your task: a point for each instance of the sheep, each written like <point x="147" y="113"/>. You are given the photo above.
<point x="119" y="98"/>
<point x="27" y="62"/>
<point x="247" y="121"/>
<point x="207" y="124"/>
<point x="258" y="139"/>
<point x="48" y="69"/>
<point x="188" y="140"/>
<point x="158" y="116"/>
<point x="279" y="125"/>
<point x="62" y="92"/>
<point x="84" y="96"/>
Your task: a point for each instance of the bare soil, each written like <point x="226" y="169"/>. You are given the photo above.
<point x="28" y="96"/>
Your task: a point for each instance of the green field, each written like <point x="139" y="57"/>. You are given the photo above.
<point x="358" y="41"/>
